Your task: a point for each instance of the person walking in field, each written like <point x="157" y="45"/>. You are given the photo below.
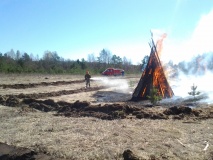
<point x="87" y="79"/>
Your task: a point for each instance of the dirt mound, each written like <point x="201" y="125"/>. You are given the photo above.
<point x="10" y="100"/>
<point x="108" y="111"/>
<point x="150" y="114"/>
<point x="116" y="111"/>
<point x="8" y="152"/>
<point x="33" y="85"/>
<point x="129" y="155"/>
<point x="57" y="93"/>
<point x="180" y="111"/>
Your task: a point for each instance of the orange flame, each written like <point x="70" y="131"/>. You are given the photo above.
<point x="159" y="44"/>
<point x="153" y="75"/>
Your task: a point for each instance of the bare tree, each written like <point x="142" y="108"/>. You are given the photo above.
<point x="18" y="55"/>
<point x="116" y="61"/>
<point x="91" y="57"/>
<point x="37" y="58"/>
<point x="51" y="56"/>
<point x="32" y="56"/>
<point x="11" y="54"/>
<point x="105" y="56"/>
<point x="125" y="61"/>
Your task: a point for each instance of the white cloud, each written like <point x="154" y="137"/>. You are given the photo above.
<point x="203" y="34"/>
<point x="176" y="50"/>
<point x="199" y="42"/>
<point x="134" y="51"/>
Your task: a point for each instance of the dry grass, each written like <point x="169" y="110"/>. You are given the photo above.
<point x="36" y="78"/>
<point x="90" y="138"/>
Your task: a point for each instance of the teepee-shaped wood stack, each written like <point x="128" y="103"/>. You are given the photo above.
<point x="153" y="76"/>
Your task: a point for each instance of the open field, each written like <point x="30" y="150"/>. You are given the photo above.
<point x="62" y="119"/>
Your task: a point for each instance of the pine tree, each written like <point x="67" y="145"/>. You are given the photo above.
<point x="194" y="92"/>
<point x="154" y="97"/>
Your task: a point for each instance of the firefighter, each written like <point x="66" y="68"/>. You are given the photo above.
<point x="122" y="72"/>
<point x="87" y="79"/>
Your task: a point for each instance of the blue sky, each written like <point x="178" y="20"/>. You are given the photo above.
<point x="76" y="28"/>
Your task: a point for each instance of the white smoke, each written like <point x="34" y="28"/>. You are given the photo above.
<point x="198" y="43"/>
<point x="117" y="84"/>
<point x="182" y="85"/>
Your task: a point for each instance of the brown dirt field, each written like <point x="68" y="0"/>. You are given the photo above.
<point x="56" y="117"/>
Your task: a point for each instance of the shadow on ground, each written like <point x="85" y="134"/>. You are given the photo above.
<point x="111" y="96"/>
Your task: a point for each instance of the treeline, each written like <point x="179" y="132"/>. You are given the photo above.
<point x="51" y="62"/>
<point x="198" y="65"/>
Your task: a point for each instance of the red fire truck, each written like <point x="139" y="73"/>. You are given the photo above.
<point x="113" y="72"/>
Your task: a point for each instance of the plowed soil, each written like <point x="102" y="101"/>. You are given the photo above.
<point x="106" y="99"/>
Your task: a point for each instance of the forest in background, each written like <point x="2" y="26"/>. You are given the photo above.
<point x="52" y="63"/>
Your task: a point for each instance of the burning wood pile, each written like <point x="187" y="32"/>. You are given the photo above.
<point x="153" y="77"/>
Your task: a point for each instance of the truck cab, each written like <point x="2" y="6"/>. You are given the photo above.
<point x="113" y="72"/>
